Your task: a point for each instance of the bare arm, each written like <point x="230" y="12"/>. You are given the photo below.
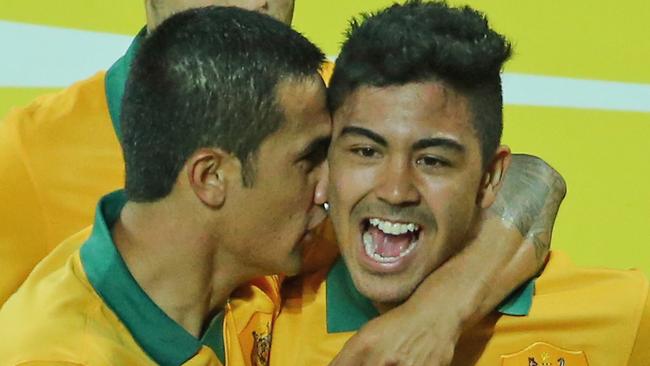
<point x="514" y="250"/>
<point x="510" y="247"/>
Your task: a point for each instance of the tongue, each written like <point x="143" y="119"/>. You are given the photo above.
<point x="390" y="245"/>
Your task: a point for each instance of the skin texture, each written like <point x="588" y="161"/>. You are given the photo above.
<point x="440" y="187"/>
<point x="231" y="234"/>
<point x="159" y="10"/>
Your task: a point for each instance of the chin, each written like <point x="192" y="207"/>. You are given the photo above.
<point x="384" y="290"/>
<point x="291" y="266"/>
<point x="292" y="271"/>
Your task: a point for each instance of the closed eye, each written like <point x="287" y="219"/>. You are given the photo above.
<point x="315" y="154"/>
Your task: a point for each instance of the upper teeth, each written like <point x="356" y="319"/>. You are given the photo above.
<point x="371" y="250"/>
<point x="393" y="228"/>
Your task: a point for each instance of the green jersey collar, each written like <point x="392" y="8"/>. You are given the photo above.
<point x="115" y="82"/>
<point x="164" y="340"/>
<point x="348" y="310"/>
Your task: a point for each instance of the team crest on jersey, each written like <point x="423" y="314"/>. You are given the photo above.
<point x="261" y="347"/>
<point x="544" y="354"/>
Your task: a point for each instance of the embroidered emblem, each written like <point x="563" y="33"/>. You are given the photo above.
<point x="261" y="347"/>
<point x="544" y="354"/>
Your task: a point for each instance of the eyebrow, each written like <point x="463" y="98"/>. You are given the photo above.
<point x="360" y="131"/>
<point x="443" y="142"/>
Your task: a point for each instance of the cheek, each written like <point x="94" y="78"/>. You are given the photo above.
<point x="449" y="200"/>
<point x="296" y="196"/>
<point x="346" y="185"/>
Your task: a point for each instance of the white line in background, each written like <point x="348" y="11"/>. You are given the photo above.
<point x="36" y="56"/>
<point x="551" y="91"/>
<point x="43" y="56"/>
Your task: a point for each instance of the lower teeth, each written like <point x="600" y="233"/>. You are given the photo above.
<point x="370" y="247"/>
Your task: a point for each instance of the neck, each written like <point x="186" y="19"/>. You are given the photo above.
<point x="174" y="260"/>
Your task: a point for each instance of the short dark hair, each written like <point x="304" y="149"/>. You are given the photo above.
<point x="207" y="77"/>
<point x="427" y="40"/>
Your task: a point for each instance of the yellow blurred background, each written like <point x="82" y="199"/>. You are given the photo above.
<point x="577" y="93"/>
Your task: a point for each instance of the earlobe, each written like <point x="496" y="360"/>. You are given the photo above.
<point x="207" y="177"/>
<point x="494" y="175"/>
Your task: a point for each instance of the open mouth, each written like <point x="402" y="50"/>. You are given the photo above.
<point x="387" y="242"/>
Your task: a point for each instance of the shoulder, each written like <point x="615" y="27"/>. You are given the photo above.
<point x="82" y="94"/>
<point x="57" y="318"/>
<point x="48" y="317"/>
<point x="593" y="312"/>
<point x="28" y="131"/>
<point x="603" y="307"/>
<point x="624" y="290"/>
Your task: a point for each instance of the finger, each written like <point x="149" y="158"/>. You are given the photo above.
<point x="439" y="358"/>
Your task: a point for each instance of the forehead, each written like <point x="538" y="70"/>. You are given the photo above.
<point x="246" y="3"/>
<point x="238" y="3"/>
<point x="417" y="109"/>
<point x="279" y="9"/>
<point x="303" y="103"/>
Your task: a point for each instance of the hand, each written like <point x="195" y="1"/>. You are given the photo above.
<point x="405" y="336"/>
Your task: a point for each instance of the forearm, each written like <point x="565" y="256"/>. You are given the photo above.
<point x="476" y="280"/>
<point x="510" y="246"/>
<point x="516" y="270"/>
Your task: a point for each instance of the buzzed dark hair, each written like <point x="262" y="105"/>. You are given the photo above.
<point x="207" y="77"/>
<point x="423" y="41"/>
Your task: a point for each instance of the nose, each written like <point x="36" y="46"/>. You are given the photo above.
<point x="322" y="180"/>
<point x="396" y="184"/>
<point x="320" y="195"/>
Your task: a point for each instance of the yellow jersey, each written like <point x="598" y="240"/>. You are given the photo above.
<point x="81" y="306"/>
<point x="568" y="316"/>
<point x="59" y="156"/>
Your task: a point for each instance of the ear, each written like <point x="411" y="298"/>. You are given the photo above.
<point x="206" y="173"/>
<point x="494" y="175"/>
